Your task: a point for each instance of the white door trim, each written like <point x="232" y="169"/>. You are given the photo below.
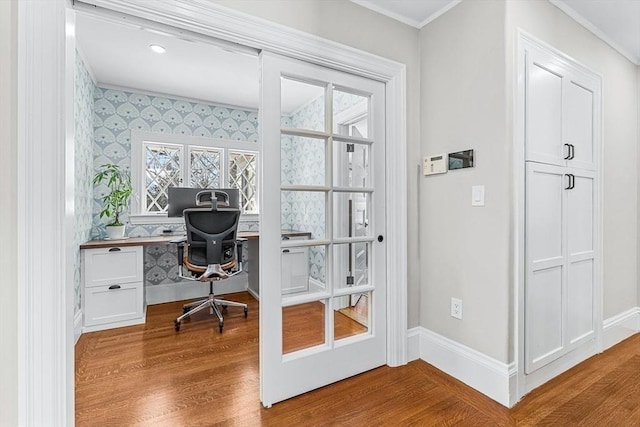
<point x="45" y="214"/>
<point x="46" y="177"/>
<point x="526" y="383"/>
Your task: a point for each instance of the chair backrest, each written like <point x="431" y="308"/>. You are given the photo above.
<point x="211" y="235"/>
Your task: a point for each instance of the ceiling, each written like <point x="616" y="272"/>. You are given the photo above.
<point x="617" y="22"/>
<point x="195" y="67"/>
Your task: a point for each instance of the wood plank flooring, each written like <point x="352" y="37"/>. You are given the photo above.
<point x="149" y="375"/>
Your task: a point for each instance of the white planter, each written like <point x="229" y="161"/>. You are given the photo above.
<point x="115" y="231"/>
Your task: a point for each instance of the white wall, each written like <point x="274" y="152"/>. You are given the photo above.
<point x="8" y="215"/>
<point x="620" y="138"/>
<point x="465" y="250"/>
<point x="347" y="23"/>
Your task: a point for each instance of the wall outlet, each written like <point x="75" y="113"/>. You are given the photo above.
<point x="456" y="308"/>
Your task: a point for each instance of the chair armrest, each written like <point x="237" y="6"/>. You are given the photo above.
<point x="178" y="240"/>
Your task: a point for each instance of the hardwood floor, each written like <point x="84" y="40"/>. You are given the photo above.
<point x="149" y="375"/>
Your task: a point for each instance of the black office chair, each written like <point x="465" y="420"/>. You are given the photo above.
<point x="210" y="251"/>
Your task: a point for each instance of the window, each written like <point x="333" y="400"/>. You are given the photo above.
<point x="160" y="161"/>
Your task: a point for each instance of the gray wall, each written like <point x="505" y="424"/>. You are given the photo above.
<point x="620" y="139"/>
<point x="8" y="214"/>
<point x="465" y="250"/>
<point x="347" y="23"/>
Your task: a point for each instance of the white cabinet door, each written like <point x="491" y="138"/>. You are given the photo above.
<point x="581" y="255"/>
<point x="544" y="82"/>
<point x="560" y="110"/>
<point x="546" y="265"/>
<point x="578" y="121"/>
<point x="559" y="290"/>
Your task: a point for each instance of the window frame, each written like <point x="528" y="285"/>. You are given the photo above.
<point x="138" y="166"/>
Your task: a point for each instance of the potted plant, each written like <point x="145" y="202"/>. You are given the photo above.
<point x="115" y="202"/>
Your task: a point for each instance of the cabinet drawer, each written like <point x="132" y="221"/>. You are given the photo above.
<point x="113" y="303"/>
<point x="106" y="266"/>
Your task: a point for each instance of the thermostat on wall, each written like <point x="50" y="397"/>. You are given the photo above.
<point x="434" y="164"/>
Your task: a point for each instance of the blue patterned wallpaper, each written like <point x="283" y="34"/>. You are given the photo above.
<point x="117" y="113"/>
<point x="83" y="115"/>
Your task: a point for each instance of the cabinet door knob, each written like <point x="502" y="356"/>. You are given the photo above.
<point x="380" y="238"/>
<point x="114" y="287"/>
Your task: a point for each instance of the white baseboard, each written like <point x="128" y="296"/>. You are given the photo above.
<point x="413" y="343"/>
<point x="77" y="326"/>
<point x="158" y="294"/>
<point x="487" y="375"/>
<point x="620" y="327"/>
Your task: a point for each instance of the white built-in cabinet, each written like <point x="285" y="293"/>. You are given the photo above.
<point x="561" y="202"/>
<point x="113" y="291"/>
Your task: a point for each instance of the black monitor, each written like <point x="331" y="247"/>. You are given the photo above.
<point x="181" y="198"/>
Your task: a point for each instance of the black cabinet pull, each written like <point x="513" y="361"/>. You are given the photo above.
<point x="572" y="151"/>
<point x="286" y="251"/>
<point x="380" y="238"/>
<point x="114" y="250"/>
<point x="568" y="156"/>
<point x="114" y="287"/>
<point x="572" y="181"/>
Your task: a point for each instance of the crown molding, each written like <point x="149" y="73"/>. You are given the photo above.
<point x="573" y="14"/>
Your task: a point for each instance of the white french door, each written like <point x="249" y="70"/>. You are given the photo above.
<point x="310" y="337"/>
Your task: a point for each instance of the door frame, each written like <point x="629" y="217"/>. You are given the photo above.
<point x="525" y="383"/>
<point x="46" y="40"/>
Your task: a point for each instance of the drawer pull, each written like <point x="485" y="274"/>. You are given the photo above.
<point x="114" y="287"/>
<point x="114" y="250"/>
<point x="286" y="251"/>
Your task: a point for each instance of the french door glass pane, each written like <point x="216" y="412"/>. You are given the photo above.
<point x="351" y="165"/>
<point x="303" y="270"/>
<point x="350" y="114"/>
<point x="303" y="326"/>
<point x="303" y="105"/>
<point x="351" y="264"/>
<point x="205" y="168"/>
<point x="302" y="160"/>
<point x="351" y="315"/>
<point x="163" y="170"/>
<point x="304" y="211"/>
<point x="351" y="214"/>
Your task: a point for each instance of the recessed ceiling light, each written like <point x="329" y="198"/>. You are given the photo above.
<point x="157" y="48"/>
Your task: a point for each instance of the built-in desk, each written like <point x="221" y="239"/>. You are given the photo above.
<point x="113" y="293"/>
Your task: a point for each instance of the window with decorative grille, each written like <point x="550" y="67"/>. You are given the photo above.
<point x="183" y="161"/>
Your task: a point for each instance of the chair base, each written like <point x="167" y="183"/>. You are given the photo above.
<point x="213" y="304"/>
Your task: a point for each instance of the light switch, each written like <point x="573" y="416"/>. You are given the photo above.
<point x="477" y="195"/>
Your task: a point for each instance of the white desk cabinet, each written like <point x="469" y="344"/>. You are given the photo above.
<point x="113" y="287"/>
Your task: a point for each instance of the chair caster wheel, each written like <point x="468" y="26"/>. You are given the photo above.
<point x="185" y="310"/>
<point x="176" y="325"/>
<point x="224" y="308"/>
<point x="246" y="310"/>
<point x="221" y="325"/>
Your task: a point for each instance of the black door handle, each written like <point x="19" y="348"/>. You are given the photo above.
<point x="568" y="156"/>
<point x="114" y="250"/>
<point x="572" y="151"/>
<point x="286" y="251"/>
<point x="114" y="287"/>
